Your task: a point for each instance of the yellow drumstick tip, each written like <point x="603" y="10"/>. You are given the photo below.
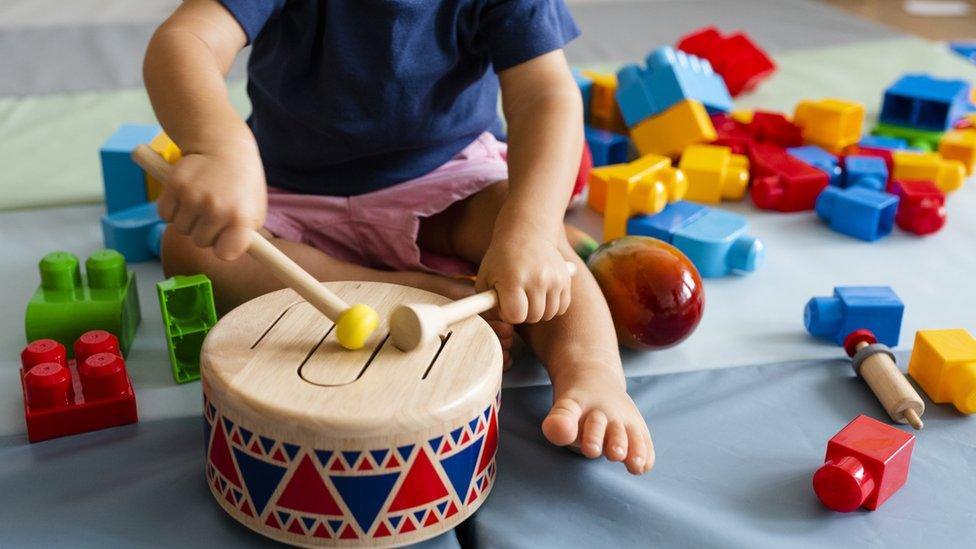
<point x="355" y="325"/>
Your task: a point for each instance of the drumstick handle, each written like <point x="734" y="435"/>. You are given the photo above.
<point x="282" y="266"/>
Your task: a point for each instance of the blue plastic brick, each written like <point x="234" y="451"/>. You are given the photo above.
<point x="858" y="212"/>
<point x="874" y="308"/>
<point x="926" y="103"/>
<point x="965" y="49"/>
<point x="662" y="225"/>
<point x="670" y="76"/>
<point x="884" y="142"/>
<point x="585" y="84"/>
<point x="717" y="243"/>
<point x="870" y="172"/>
<point x="123" y="180"/>
<point x="821" y="159"/>
<point x="607" y="147"/>
<point x="135" y="232"/>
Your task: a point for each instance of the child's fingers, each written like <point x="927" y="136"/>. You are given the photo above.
<point x="537" y="306"/>
<point x="184" y="220"/>
<point x="565" y="297"/>
<point x="206" y="231"/>
<point x="513" y="304"/>
<point x="232" y="243"/>
<point x="552" y="304"/>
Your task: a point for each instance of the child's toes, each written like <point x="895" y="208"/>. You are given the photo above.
<point x="616" y="445"/>
<point x="594" y="431"/>
<point x="561" y="426"/>
<point x="637" y="454"/>
<point x="649" y="460"/>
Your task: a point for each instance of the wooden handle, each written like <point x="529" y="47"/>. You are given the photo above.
<point x="282" y="266"/>
<point x="896" y="394"/>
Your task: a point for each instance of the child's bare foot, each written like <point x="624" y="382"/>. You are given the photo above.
<point x="592" y="408"/>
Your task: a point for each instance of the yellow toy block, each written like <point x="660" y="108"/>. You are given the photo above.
<point x="163" y="145"/>
<point x="643" y="186"/>
<point x="714" y="173"/>
<point x="960" y="145"/>
<point x="604" y="112"/>
<point x="830" y="123"/>
<point x="944" y="365"/>
<point x="743" y="116"/>
<point x="948" y="175"/>
<point x="596" y="194"/>
<point x="670" y="132"/>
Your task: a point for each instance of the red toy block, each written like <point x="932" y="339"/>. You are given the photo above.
<point x="732" y="133"/>
<point x="63" y="397"/>
<point x="736" y="57"/>
<point x="583" y="175"/>
<point x="866" y="462"/>
<point x="773" y="127"/>
<point x="858" y="150"/>
<point x="921" y="209"/>
<point x="783" y="182"/>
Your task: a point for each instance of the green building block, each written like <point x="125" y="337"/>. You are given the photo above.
<point x="67" y="305"/>
<point x="187" y="306"/>
<point x="920" y="139"/>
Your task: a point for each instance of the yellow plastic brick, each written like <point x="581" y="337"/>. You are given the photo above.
<point x="163" y="145"/>
<point x="714" y="173"/>
<point x="948" y="175"/>
<point x="670" y="132"/>
<point x="830" y="123"/>
<point x="960" y="145"/>
<point x="643" y="186"/>
<point x="944" y="365"/>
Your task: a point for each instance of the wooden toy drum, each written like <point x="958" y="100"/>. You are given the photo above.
<point x="315" y="445"/>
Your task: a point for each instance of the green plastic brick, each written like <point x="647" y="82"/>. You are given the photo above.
<point x="921" y="139"/>
<point x="187" y="306"/>
<point x="67" y="305"/>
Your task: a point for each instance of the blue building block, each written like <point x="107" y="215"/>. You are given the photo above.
<point x="923" y="102"/>
<point x="585" y="84"/>
<point x="821" y="159"/>
<point x="875" y="308"/>
<point x="965" y="49"/>
<point x="857" y="211"/>
<point x="662" y="225"/>
<point x="717" y="243"/>
<point x="670" y="76"/>
<point x="123" y="180"/>
<point x="884" y="142"/>
<point x="870" y="172"/>
<point x="606" y="147"/>
<point x="135" y="233"/>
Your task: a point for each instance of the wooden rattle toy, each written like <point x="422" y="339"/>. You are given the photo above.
<point x="875" y="363"/>
<point x="319" y="447"/>
<point x="353" y="324"/>
<point x="415" y="323"/>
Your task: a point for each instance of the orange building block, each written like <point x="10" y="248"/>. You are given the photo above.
<point x="670" y="132"/>
<point x="643" y="186"/>
<point x="830" y="123"/>
<point x="596" y="197"/>
<point x="604" y="112"/>
<point x="714" y="173"/>
<point x="948" y="175"/>
<point x="944" y="365"/>
<point x="960" y="145"/>
<point x="163" y="145"/>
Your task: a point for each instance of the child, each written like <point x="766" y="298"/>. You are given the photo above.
<point x="369" y="156"/>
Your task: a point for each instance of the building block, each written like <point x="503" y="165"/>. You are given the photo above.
<point x="917" y="139"/>
<point x="948" y="175"/>
<point x="606" y="147"/>
<point x="782" y="182"/>
<point x="960" y="145"/>
<point x="643" y="186"/>
<point x="883" y="142"/>
<point x="874" y="308"/>
<point x="136" y="232"/>
<point x="187" y="306"/>
<point x="124" y="182"/>
<point x="663" y="225"/>
<point x="604" y="111"/>
<point x="924" y="102"/>
<point x="866" y="463"/>
<point x="869" y="172"/>
<point x="163" y="145"/>
<point x="830" y="123"/>
<point x="670" y="132"/>
<point x="824" y="161"/>
<point x="731" y="133"/>
<point x="635" y="99"/>
<point x="921" y="206"/>
<point x="944" y="365"/>
<point x="859" y="212"/>
<point x="966" y="50"/>
<point x="582" y="175"/>
<point x="585" y="84"/>
<point x="63" y="397"/>
<point x="773" y="127"/>
<point x="717" y="243"/>
<point x="67" y="305"/>
<point x="714" y="173"/>
<point x="735" y="57"/>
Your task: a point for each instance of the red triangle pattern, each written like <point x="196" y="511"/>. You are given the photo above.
<point x="446" y="446"/>
<point x="348" y="533"/>
<point x="279" y="456"/>
<point x="229" y="499"/>
<point x="491" y="444"/>
<point x="296" y="527"/>
<point x="393" y="461"/>
<point x="421" y="486"/>
<point x="256" y="448"/>
<point x="466" y="438"/>
<point x="237" y="439"/>
<point x="322" y="532"/>
<point x="220" y="456"/>
<point x="365" y="465"/>
<point x="381" y="531"/>
<point x="408" y="525"/>
<point x="451" y="510"/>
<point x="306" y="492"/>
<point x="272" y="521"/>
<point x="337" y="464"/>
<point x="472" y="497"/>
<point x="246" y="509"/>
<point x="431" y="518"/>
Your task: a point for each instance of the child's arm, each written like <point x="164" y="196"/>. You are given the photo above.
<point x="218" y="187"/>
<point x="525" y="262"/>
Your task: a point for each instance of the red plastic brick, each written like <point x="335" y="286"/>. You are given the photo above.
<point x="866" y="462"/>
<point x="731" y="133"/>
<point x="773" y="127"/>
<point x="583" y="174"/>
<point x="921" y="209"/>
<point x="736" y="57"/>
<point x="783" y="182"/>
<point x="63" y="398"/>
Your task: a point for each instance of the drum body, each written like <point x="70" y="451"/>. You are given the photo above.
<point x="317" y="446"/>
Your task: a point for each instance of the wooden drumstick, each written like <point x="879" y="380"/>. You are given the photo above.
<point x="353" y="324"/>
<point x="876" y="364"/>
<point x="413" y="324"/>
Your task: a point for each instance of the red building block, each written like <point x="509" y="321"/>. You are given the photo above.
<point x="921" y="209"/>
<point x="783" y="182"/>
<point x="732" y="133"/>
<point x="583" y="175"/>
<point x="736" y="57"/>
<point x="866" y="462"/>
<point x="63" y="397"/>
<point x="773" y="127"/>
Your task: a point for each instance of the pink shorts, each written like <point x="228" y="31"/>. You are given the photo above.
<point x="379" y="229"/>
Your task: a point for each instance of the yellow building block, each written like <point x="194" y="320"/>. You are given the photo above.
<point x="830" y="123"/>
<point x="944" y="365"/>
<point x="604" y="112"/>
<point x="714" y="173"/>
<point x="596" y="193"/>
<point x="948" y="175"/>
<point x="960" y="145"/>
<point x="743" y="116"/>
<point x="643" y="186"/>
<point x="670" y="132"/>
<point x="163" y="145"/>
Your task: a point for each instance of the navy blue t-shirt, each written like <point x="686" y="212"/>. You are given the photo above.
<point x="351" y="96"/>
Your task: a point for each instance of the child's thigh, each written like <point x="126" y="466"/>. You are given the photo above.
<point x="465" y="228"/>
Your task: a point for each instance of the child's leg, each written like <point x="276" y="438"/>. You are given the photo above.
<point x="579" y="348"/>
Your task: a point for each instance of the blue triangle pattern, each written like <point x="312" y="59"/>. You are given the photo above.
<point x="237" y="496"/>
<point x="379" y="456"/>
<point x="335" y="524"/>
<point x="246" y="434"/>
<point x="267" y="444"/>
<point x="213" y="410"/>
<point x="309" y="522"/>
<point x="473" y="424"/>
<point x="394" y="520"/>
<point x="351" y="457"/>
<point x="435" y="443"/>
<point x="441" y="506"/>
<point x="291" y="450"/>
<point x="456" y="434"/>
<point x="324" y="456"/>
<point x="460" y="468"/>
<point x="228" y="424"/>
<point x="405" y="451"/>
<point x="260" y="477"/>
<point x="487" y="412"/>
<point x="365" y="495"/>
<point x="419" y="515"/>
<point x="222" y="482"/>
<point x="284" y="517"/>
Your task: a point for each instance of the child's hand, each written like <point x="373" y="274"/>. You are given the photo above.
<point x="530" y="275"/>
<point x="214" y="198"/>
